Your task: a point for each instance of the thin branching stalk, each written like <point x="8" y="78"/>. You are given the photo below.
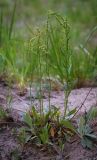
<point x="83" y="102"/>
<point x="47" y="63"/>
<point x="40" y="73"/>
<point x="66" y="64"/>
<point x="31" y="74"/>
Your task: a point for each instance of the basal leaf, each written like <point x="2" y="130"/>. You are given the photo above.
<point x="28" y="120"/>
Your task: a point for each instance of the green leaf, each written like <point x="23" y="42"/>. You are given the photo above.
<point x="92" y="136"/>
<point x="87" y="143"/>
<point x="81" y="126"/>
<point x="83" y="142"/>
<point x="28" y="120"/>
<point x="68" y="125"/>
<point x="34" y="112"/>
<point x="72" y="112"/>
<point x="3" y="114"/>
<point x="92" y="114"/>
<point x="44" y="135"/>
<point x="30" y="138"/>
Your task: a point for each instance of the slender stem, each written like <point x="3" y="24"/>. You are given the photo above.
<point x="66" y="93"/>
<point x="82" y="102"/>
<point x="47" y="65"/>
<point x="65" y="103"/>
<point x="30" y="85"/>
<point x="66" y="66"/>
<point x="40" y="76"/>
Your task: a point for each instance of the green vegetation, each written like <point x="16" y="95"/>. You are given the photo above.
<point x="61" y="42"/>
<point x="48" y="127"/>
<point x="87" y="137"/>
<point x="62" y="45"/>
<point x="53" y="130"/>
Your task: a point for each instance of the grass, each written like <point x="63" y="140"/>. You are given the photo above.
<point x="51" y="50"/>
<point x="78" y="33"/>
<point x="58" y="47"/>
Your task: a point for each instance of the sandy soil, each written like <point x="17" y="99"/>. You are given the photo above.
<point x="9" y="145"/>
<point x="21" y="104"/>
<point x="10" y="148"/>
